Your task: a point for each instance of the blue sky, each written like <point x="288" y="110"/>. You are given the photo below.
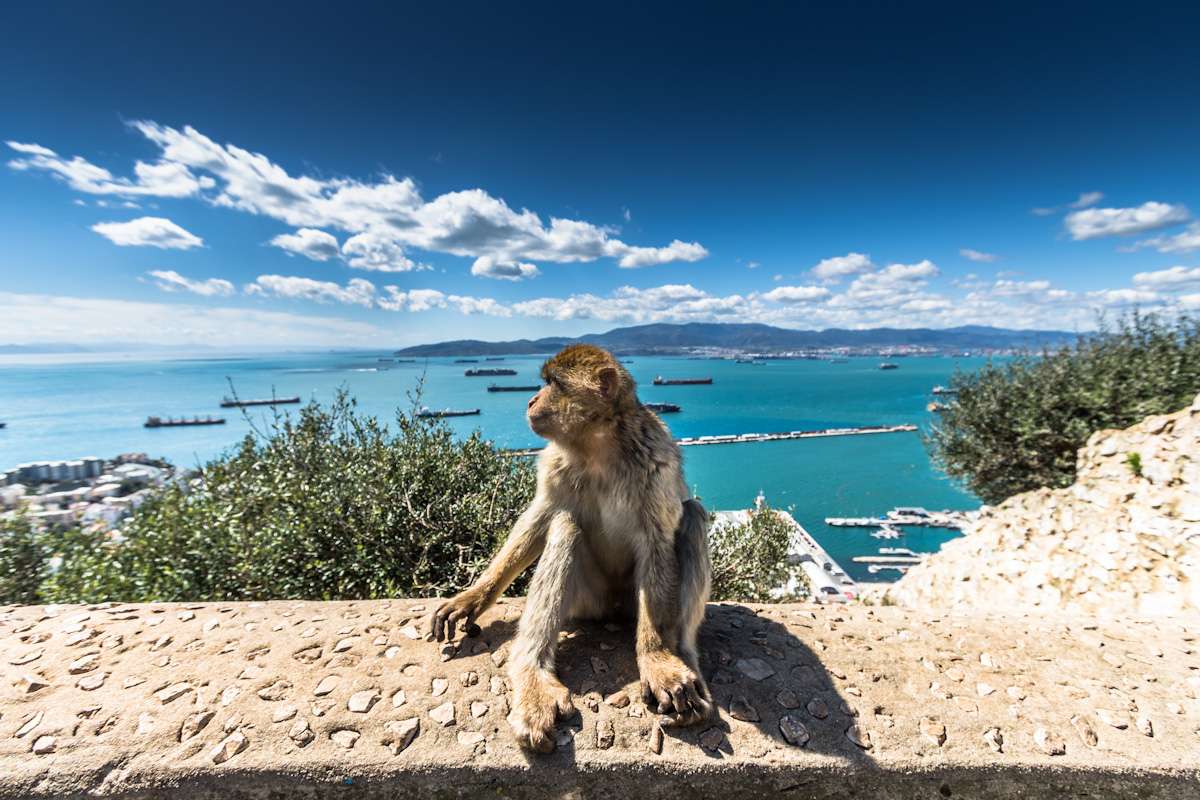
<point x="228" y="175"/>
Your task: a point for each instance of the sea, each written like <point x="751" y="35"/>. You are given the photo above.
<point x="71" y="406"/>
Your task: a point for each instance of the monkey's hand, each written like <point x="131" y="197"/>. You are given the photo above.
<point x="673" y="689"/>
<point x="464" y="607"/>
<point x="539" y="699"/>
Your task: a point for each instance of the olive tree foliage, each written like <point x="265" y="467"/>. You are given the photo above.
<point x="750" y="559"/>
<point x="1017" y="426"/>
<point x="325" y="504"/>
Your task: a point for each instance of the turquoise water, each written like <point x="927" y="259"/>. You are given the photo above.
<point x="77" y="408"/>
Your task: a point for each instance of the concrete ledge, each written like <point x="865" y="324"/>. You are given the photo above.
<point x="347" y="699"/>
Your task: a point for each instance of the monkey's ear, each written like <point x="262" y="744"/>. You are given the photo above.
<point x="608" y="380"/>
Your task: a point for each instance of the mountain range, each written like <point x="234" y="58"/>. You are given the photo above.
<point x="667" y="337"/>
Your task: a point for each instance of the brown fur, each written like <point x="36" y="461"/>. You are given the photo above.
<point x="611" y="526"/>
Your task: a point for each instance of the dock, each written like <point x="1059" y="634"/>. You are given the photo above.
<point x="743" y="438"/>
<point x="826" y="579"/>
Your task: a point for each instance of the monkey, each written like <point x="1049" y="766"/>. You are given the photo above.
<point x="612" y="527"/>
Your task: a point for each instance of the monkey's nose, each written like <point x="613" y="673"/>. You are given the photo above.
<point x="532" y="400"/>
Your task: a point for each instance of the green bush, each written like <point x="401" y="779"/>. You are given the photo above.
<point x="326" y="504"/>
<point x="749" y="560"/>
<point x="1016" y="426"/>
<point x="24" y="562"/>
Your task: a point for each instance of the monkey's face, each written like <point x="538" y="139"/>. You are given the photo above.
<point x="584" y="389"/>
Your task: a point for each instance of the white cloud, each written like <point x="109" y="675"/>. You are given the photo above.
<point x="308" y="242"/>
<point x="1087" y="199"/>
<point x="479" y="305"/>
<point x="377" y="251"/>
<point x="148" y="232"/>
<point x="832" y="270"/>
<point x="161" y="179"/>
<point x="1168" y="279"/>
<point x="976" y="255"/>
<point x="1117" y="298"/>
<point x="796" y="294"/>
<point x="388" y="212"/>
<point x="171" y="281"/>
<point x="1095" y="222"/>
<point x="357" y="292"/>
<point x="29" y="318"/>
<point x="489" y="267"/>
<point x="411" y="300"/>
<point x="634" y="257"/>
<point x="1183" y="242"/>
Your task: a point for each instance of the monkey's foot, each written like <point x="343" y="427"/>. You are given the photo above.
<point x="539" y="699"/>
<point x="673" y="689"/>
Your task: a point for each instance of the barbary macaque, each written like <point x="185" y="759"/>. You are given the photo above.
<point x="612" y="527"/>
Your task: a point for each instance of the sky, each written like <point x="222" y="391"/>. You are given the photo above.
<point x="356" y="175"/>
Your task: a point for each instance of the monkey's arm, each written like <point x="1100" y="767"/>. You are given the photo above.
<point x="522" y="547"/>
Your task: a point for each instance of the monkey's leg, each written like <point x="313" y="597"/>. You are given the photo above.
<point x="521" y="548"/>
<point x="695" y="579"/>
<point x="673" y="578"/>
<point x="538" y="695"/>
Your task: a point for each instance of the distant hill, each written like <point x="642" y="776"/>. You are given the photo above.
<point x="667" y="336"/>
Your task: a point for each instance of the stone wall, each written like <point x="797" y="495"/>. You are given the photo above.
<point x="1125" y="538"/>
<point x="307" y="699"/>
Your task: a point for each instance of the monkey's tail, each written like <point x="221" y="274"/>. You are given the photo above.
<point x="695" y="571"/>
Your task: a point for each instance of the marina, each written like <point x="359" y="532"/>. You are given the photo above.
<point x="171" y="422"/>
<point x="272" y="401"/>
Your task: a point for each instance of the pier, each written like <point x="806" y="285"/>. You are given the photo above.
<point x="743" y="438"/>
<point x="920" y="517"/>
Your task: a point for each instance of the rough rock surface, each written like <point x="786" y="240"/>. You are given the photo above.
<point x="235" y="700"/>
<point x="1124" y="539"/>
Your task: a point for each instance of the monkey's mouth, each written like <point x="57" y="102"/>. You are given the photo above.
<point x="540" y="424"/>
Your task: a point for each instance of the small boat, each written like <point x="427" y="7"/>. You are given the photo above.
<point x="663" y="408"/>
<point x="170" y="422"/>
<point x="447" y="412"/>
<point x="661" y="381"/>
<point x="889" y="365"/>
<point x="481" y="373"/>
<point x="936" y="407"/>
<point x="3" y="425"/>
<point x="229" y="402"/>
<point x="495" y="388"/>
<point x="939" y="389"/>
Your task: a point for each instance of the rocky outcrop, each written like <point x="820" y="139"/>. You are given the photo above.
<point x="1124" y="539"/>
<point x="348" y="699"/>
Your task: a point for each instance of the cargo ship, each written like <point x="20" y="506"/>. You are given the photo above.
<point x="3" y="425"/>
<point x="448" y="412"/>
<point x="494" y="358"/>
<point x="272" y="401"/>
<point x="482" y="373"/>
<point x="494" y="388"/>
<point x="170" y="422"/>
<point x="661" y="381"/>
<point x="889" y="365"/>
<point x="466" y="361"/>
<point x="662" y="408"/>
